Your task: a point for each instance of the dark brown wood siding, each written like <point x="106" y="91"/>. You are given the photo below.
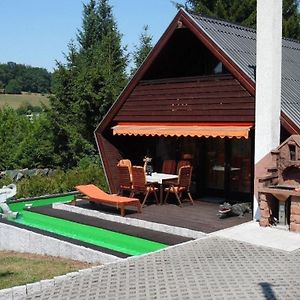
<point x="219" y="98"/>
<point x="110" y="156"/>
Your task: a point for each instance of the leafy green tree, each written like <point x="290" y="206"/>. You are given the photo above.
<point x="13" y="87"/>
<point x="13" y="129"/>
<point x="142" y="50"/>
<point x="244" y="12"/>
<point x="88" y="83"/>
<point x="36" y="150"/>
<point x="25" y="143"/>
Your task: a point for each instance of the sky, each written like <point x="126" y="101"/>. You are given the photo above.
<point x="37" y="32"/>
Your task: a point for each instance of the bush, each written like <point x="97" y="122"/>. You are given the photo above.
<point x="27" y="107"/>
<point x="88" y="171"/>
<point x="5" y="181"/>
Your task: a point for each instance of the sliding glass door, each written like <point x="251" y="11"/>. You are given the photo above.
<point x="228" y="172"/>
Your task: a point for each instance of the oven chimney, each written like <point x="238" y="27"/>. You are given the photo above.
<point x="268" y="80"/>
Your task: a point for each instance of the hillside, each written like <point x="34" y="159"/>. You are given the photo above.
<point x="16" y="101"/>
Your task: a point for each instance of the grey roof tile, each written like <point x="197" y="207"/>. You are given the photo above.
<point x="239" y="43"/>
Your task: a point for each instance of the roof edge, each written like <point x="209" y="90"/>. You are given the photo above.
<point x="288" y="124"/>
<point x="139" y="73"/>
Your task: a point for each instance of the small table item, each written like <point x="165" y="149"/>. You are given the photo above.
<point x="159" y="178"/>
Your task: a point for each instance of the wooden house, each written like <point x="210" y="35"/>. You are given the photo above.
<point x="195" y="94"/>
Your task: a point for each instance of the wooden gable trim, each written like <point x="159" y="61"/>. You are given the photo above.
<point x="139" y="74"/>
<point x="288" y="124"/>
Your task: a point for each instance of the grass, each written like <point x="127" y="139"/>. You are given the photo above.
<point x="22" y="268"/>
<point x="15" y="101"/>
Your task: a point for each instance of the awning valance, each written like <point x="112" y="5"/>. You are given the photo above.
<point x="199" y="130"/>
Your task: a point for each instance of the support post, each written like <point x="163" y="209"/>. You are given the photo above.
<point x="268" y="80"/>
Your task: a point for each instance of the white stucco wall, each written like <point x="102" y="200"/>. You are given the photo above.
<point x="268" y="79"/>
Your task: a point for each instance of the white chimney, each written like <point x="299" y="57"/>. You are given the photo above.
<point x="268" y="79"/>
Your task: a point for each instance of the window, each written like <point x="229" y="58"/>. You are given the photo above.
<point x="292" y="149"/>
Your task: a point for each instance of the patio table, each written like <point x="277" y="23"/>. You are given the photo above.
<point x="159" y="178"/>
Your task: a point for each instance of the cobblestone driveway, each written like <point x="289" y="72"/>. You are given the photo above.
<point x="209" y="268"/>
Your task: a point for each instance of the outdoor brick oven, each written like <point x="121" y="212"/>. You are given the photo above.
<point x="279" y="190"/>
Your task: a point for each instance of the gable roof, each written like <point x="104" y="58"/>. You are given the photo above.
<point x="239" y="43"/>
<point x="293" y="138"/>
<point x="235" y="46"/>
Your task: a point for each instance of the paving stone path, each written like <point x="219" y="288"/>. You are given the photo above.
<point x="208" y="268"/>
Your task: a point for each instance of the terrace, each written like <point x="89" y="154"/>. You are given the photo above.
<point x="202" y="216"/>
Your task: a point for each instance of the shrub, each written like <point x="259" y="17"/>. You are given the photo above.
<point x="88" y="171"/>
<point x="5" y="181"/>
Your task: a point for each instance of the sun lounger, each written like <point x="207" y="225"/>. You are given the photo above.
<point x="95" y="194"/>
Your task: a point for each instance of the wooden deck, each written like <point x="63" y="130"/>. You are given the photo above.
<point x="202" y="216"/>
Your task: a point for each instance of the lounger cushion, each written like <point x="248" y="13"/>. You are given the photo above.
<point x="93" y="192"/>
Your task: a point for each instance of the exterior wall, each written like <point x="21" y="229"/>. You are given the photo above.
<point x="110" y="156"/>
<point x="218" y="98"/>
<point x="295" y="214"/>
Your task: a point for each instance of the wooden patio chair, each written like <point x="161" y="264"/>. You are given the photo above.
<point x="125" y="183"/>
<point x="182" y="185"/>
<point x="140" y="185"/>
<point x="182" y="163"/>
<point x="169" y="166"/>
<point x="126" y="162"/>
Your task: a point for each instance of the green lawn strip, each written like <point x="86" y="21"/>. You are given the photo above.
<point x="19" y="268"/>
<point x="19" y="206"/>
<point x="97" y="236"/>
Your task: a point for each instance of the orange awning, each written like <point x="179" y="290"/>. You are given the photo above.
<point x="207" y="130"/>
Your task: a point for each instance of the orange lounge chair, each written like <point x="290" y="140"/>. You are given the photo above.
<point x="95" y="194"/>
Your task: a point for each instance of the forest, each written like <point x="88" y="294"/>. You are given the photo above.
<point x="17" y="78"/>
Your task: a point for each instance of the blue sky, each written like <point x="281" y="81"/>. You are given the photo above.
<point x="37" y="32"/>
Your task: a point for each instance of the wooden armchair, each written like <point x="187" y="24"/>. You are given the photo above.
<point x="182" y="185"/>
<point x="126" y="162"/>
<point x="140" y="186"/>
<point x="182" y="163"/>
<point x="125" y="183"/>
<point x="169" y="166"/>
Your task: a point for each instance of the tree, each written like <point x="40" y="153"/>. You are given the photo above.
<point x="244" y="13"/>
<point x="87" y="84"/>
<point x="142" y="50"/>
<point x="26" y="78"/>
<point x="13" y="87"/>
<point x="25" y="143"/>
<point x="36" y="150"/>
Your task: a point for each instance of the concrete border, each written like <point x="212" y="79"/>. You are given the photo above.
<point x="131" y="221"/>
<point x="29" y="289"/>
<point x="43" y="197"/>
<point x="13" y="238"/>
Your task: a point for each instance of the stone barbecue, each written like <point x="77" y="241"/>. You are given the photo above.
<point x="279" y="190"/>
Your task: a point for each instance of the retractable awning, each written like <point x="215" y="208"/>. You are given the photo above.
<point x="221" y="130"/>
